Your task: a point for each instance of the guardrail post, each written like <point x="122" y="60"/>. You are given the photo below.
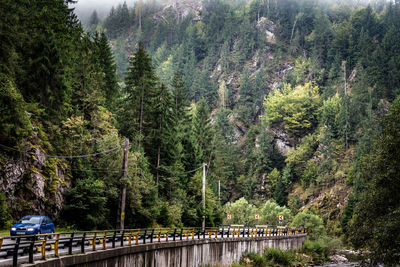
<point x="71" y="240"/>
<point x="229" y="228"/>
<point x="198" y="233"/>
<point x="122" y="238"/>
<point x="181" y="234"/>
<point x="83" y="243"/>
<point x="244" y="231"/>
<point x="144" y="237"/>
<point x="222" y="232"/>
<point x="94" y="241"/>
<point x="204" y="233"/>
<point x="130" y="239"/>
<point x="166" y="237"/>
<point x="15" y="252"/>
<point x="151" y="236"/>
<point x="56" y="245"/>
<point x="1" y="241"/>
<point x="113" y="239"/>
<point x="105" y="240"/>
<point x="44" y="248"/>
<point x="31" y="246"/>
<point x="173" y="238"/>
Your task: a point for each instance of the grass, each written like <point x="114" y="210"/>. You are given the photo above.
<point x="4" y="232"/>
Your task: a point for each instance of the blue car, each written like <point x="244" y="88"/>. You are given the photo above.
<point x="32" y="225"/>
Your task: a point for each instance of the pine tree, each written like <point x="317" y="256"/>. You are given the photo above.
<point x="202" y="133"/>
<point x="136" y="118"/>
<point x="108" y="67"/>
<point x="94" y="19"/>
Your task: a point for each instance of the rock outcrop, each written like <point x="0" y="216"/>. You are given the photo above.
<point x="33" y="184"/>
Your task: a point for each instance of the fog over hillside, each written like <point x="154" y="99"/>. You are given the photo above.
<point x="84" y="8"/>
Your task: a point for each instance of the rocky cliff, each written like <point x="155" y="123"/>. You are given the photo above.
<point x="32" y="183"/>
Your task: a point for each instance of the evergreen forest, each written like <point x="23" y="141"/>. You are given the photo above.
<point x="293" y="105"/>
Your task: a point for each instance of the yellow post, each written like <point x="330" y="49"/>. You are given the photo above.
<point x="137" y="238"/>
<point x="44" y="248"/>
<point x="1" y="241"/>
<point x="159" y="237"/>
<point x="216" y="234"/>
<point x="209" y="234"/>
<point x="94" y="241"/>
<point x="187" y="235"/>
<point x="192" y="233"/>
<point x="56" y="245"/>
<point x="105" y="240"/>
<point x="130" y="238"/>
<point x="166" y="235"/>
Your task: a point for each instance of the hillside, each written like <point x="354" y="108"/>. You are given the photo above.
<point x="234" y="54"/>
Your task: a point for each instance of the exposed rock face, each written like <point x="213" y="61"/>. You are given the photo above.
<point x="32" y="184"/>
<point x="281" y="140"/>
<point x="179" y="9"/>
<point x="268" y="27"/>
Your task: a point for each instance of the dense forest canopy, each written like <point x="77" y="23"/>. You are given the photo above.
<point x="291" y="104"/>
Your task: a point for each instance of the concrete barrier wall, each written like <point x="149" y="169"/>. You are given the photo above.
<point x="222" y="251"/>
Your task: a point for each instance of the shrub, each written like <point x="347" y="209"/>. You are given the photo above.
<point x="320" y="249"/>
<point x="313" y="223"/>
<point x="4" y="216"/>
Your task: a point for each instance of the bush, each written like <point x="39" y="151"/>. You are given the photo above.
<point x="320" y="249"/>
<point x="4" y="216"/>
<point x="313" y="223"/>
<point x="282" y="257"/>
<point x="273" y="257"/>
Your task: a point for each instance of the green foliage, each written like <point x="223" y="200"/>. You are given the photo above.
<point x="295" y="110"/>
<point x="377" y="209"/>
<point x="271" y="211"/>
<point x="320" y="249"/>
<point x="4" y="215"/>
<point x="273" y="257"/>
<point x="14" y="122"/>
<point x="86" y="205"/>
<point x="241" y="212"/>
<point x="313" y="223"/>
<point x="59" y="93"/>
<point x="282" y="186"/>
<point x="299" y="159"/>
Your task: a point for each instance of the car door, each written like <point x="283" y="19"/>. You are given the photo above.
<point x="43" y="228"/>
<point x="48" y="227"/>
<point x="51" y="225"/>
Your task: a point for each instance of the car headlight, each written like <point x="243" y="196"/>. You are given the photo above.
<point x="13" y="229"/>
<point x="30" y="229"/>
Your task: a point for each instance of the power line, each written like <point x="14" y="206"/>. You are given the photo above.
<point x="96" y="154"/>
<point x="63" y="157"/>
<point x="173" y="172"/>
<point x="97" y="170"/>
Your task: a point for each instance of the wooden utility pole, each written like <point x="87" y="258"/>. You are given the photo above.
<point x="123" y="189"/>
<point x="203" y="226"/>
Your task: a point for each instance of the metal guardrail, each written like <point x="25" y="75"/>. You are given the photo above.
<point x="95" y="240"/>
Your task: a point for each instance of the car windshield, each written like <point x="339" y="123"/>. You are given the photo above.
<point x="30" y="219"/>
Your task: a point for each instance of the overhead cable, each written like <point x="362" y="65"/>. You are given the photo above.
<point x="173" y="172"/>
<point x="63" y="157"/>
